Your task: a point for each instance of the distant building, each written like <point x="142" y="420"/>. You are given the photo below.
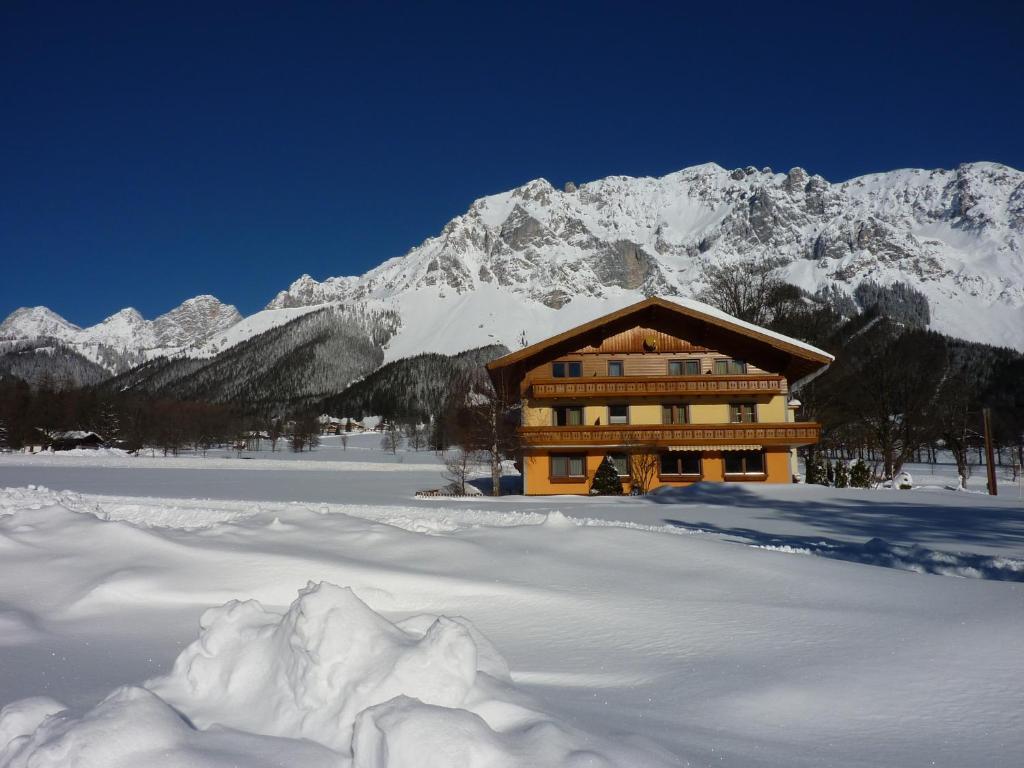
<point x="672" y="390"/>
<point x="66" y="441"/>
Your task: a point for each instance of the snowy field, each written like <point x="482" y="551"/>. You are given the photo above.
<point x="727" y="626"/>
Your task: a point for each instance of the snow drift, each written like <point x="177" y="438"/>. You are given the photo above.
<point x="330" y="682"/>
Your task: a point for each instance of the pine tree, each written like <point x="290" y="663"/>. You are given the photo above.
<point x="606" y="480"/>
<point x="814" y="471"/>
<point x="842" y="474"/>
<point x="860" y="475"/>
<point x="830" y="474"/>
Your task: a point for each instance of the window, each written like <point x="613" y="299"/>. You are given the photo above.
<point x="673" y="414"/>
<point x="730" y="367"/>
<point x="684" y="367"/>
<point x="568" y="415"/>
<point x="568" y="465"/>
<point x="744" y="463"/>
<point x="621" y="462"/>
<point x="742" y="413"/>
<point x="616" y="368"/>
<point x="618" y="414"/>
<point x="675" y="463"/>
<point x="567" y="369"/>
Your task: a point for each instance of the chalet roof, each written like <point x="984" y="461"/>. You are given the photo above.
<point x="76" y="434"/>
<point x="689" y="308"/>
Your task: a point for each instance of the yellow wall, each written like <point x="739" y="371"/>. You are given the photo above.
<point x="538" y="481"/>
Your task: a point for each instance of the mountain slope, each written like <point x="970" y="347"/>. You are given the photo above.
<point x="314" y="355"/>
<point x="416" y="387"/>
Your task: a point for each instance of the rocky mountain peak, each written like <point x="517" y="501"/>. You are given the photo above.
<point x="36" y="322"/>
<point x="193" y="321"/>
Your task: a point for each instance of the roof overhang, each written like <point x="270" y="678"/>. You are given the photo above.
<point x="804" y="359"/>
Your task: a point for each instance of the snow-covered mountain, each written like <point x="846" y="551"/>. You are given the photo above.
<point x="537" y="259"/>
<point x="527" y="263"/>
<point x="126" y="337"/>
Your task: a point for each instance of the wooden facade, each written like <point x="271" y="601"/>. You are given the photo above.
<point x="703" y="395"/>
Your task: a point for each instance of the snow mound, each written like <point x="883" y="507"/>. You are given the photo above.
<point x="328" y="681"/>
<point x="310" y="672"/>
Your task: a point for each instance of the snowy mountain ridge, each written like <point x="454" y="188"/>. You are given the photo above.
<point x="126" y="337"/>
<point x="532" y="261"/>
<point x="955" y="235"/>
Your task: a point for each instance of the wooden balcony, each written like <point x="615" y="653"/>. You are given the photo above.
<point x="667" y="435"/>
<point x="657" y="386"/>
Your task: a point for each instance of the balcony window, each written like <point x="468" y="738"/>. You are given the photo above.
<point x="744" y="463"/>
<point x="568" y="415"/>
<point x="621" y="462"/>
<point x="674" y="413"/>
<point x="730" y="367"/>
<point x="567" y="369"/>
<point x="742" y="413"/>
<point x="684" y="367"/>
<point x="618" y="414"/>
<point x="616" y="368"/>
<point x="568" y="465"/>
<point x="680" y="464"/>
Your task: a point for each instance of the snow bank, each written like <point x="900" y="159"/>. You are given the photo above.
<point x="328" y="678"/>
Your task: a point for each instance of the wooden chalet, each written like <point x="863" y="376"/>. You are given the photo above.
<point x="674" y="390"/>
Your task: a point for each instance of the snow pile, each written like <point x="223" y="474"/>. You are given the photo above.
<point x="327" y="678"/>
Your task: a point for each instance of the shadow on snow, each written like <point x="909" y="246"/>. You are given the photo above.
<point x="877" y="519"/>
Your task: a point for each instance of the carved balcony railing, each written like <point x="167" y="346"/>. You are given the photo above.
<point x="657" y="386"/>
<point x="668" y="435"/>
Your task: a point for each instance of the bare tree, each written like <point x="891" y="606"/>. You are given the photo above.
<point x="486" y="425"/>
<point x="892" y="396"/>
<point x="416" y="435"/>
<point x="749" y="290"/>
<point x="274" y="431"/>
<point x="458" y="466"/>
<point x="953" y="416"/>
<point x="391" y="437"/>
<point x="643" y="469"/>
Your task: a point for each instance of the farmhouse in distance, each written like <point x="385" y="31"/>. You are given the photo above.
<point x="673" y="391"/>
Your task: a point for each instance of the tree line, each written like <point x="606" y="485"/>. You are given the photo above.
<point x="30" y="416"/>
<point x="897" y="392"/>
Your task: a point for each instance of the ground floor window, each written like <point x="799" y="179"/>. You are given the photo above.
<point x="744" y="462"/>
<point x="621" y="462"/>
<point x="680" y="463"/>
<point x="568" y="465"/>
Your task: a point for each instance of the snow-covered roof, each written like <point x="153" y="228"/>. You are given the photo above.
<point x="810" y="356"/>
<point x="707" y="309"/>
<point x="75" y="434"/>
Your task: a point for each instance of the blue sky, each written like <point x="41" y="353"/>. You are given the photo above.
<point x="155" y="151"/>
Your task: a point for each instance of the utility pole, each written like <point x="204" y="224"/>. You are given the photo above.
<point x="990" y="463"/>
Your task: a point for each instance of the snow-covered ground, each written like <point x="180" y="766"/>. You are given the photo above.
<point x="696" y="627"/>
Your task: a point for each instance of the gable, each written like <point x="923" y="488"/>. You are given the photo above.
<point x="658" y="327"/>
<point x="640" y="339"/>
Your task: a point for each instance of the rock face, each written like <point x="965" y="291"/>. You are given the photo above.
<point x="956" y="235"/>
<point x="193" y="321"/>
